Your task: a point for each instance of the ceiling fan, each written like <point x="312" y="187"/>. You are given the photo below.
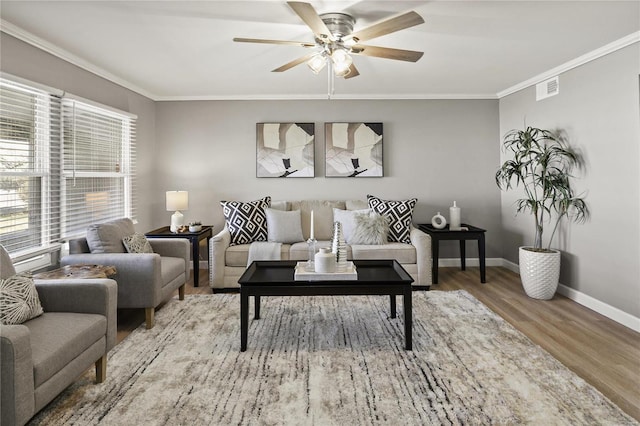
<point x="335" y="40"/>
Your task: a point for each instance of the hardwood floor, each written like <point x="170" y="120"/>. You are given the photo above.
<point x="601" y="351"/>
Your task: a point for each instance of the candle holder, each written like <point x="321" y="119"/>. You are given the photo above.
<point x="311" y="243"/>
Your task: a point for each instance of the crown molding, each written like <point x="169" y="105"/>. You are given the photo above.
<point x="324" y="97"/>
<point x="21" y="34"/>
<point x="579" y="61"/>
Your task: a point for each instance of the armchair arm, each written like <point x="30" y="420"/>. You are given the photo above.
<point x="17" y="389"/>
<point x="137" y="274"/>
<point x="91" y="296"/>
<point x="173" y="247"/>
<point x="218" y="247"/>
<point x="422" y="242"/>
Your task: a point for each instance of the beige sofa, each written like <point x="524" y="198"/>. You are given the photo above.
<point x="227" y="262"/>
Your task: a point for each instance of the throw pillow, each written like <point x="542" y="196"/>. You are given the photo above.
<point x="19" y="301"/>
<point x="137" y="243"/>
<point x="284" y="226"/>
<point x="107" y="237"/>
<point x="398" y="214"/>
<point x="246" y="222"/>
<point x="348" y="220"/>
<point x="371" y="229"/>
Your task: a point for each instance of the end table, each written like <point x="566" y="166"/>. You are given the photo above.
<point x="473" y="233"/>
<point x="194" y="238"/>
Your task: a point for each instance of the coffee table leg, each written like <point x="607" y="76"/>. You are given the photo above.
<point x="392" y="299"/>
<point x="244" y="319"/>
<point x="408" y="315"/>
<point x="256" y="301"/>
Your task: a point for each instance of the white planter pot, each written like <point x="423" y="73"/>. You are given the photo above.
<point x="539" y="272"/>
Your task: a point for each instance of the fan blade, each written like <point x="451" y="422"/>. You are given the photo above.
<point x="295" y="62"/>
<point x="389" y="26"/>
<point x="386" y="52"/>
<point x="353" y="72"/>
<point x="308" y="14"/>
<point x="266" y="41"/>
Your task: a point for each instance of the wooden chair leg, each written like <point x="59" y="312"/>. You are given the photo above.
<point x="101" y="369"/>
<point x="149" y="317"/>
<point x="181" y="292"/>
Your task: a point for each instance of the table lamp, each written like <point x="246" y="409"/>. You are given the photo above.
<point x="176" y="201"/>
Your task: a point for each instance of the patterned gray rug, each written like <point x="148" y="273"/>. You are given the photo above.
<point x="331" y="361"/>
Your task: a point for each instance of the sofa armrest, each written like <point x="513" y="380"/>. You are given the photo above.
<point x="217" y="251"/>
<point x="17" y="389"/>
<point x="138" y="275"/>
<point x="422" y="242"/>
<point x="87" y="296"/>
<point x="173" y="247"/>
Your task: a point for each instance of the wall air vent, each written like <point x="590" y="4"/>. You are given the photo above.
<point x="547" y="88"/>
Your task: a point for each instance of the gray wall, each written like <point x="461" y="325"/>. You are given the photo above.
<point x="23" y="60"/>
<point x="598" y="106"/>
<point x="436" y="150"/>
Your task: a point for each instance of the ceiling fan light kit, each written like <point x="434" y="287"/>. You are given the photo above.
<point x="335" y="39"/>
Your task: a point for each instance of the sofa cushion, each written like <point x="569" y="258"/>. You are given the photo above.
<point x="238" y="255"/>
<point x="398" y="213"/>
<point x="284" y="226"/>
<point x="19" y="301"/>
<point x="137" y="243"/>
<point x="246" y="221"/>
<point x="300" y="251"/>
<point x="370" y="229"/>
<point x="322" y="217"/>
<point x="59" y="337"/>
<point x="107" y="237"/>
<point x="403" y="253"/>
<point x="348" y="220"/>
<point x="170" y="268"/>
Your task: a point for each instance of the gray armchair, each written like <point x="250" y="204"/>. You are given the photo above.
<point x="42" y="356"/>
<point x="144" y="279"/>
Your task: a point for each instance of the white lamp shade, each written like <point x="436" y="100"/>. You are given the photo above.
<point x="177" y="200"/>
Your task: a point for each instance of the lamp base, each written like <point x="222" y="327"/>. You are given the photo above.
<point x="177" y="220"/>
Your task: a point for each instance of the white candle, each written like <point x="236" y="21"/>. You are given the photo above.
<point x="311" y="235"/>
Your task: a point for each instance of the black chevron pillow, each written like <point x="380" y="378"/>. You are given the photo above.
<point x="398" y="214"/>
<point x="247" y="222"/>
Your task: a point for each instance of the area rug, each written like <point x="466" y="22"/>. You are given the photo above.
<point x="331" y="361"/>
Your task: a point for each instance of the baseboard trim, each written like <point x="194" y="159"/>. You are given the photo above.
<point x="585" y="300"/>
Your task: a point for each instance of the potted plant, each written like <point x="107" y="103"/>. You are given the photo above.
<point x="542" y="164"/>
<point x="195" y="226"/>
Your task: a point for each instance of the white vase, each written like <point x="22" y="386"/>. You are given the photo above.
<point x="539" y="272"/>
<point x="325" y="261"/>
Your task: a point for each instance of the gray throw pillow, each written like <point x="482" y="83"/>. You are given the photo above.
<point x="284" y="226"/>
<point x="137" y="243"/>
<point x="19" y="301"/>
<point x="107" y="237"/>
<point x="371" y="229"/>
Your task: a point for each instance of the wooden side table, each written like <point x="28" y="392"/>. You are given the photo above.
<point x="473" y="233"/>
<point x="194" y="238"/>
<point x="77" y="271"/>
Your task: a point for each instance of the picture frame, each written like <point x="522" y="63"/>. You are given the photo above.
<point x="285" y="150"/>
<point x="354" y="150"/>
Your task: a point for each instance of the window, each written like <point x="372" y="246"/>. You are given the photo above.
<point x="98" y="167"/>
<point x="29" y="159"/>
<point x="64" y="163"/>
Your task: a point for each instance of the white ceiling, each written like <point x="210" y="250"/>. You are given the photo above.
<point x="184" y="49"/>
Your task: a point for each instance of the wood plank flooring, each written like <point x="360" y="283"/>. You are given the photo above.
<point x="601" y="351"/>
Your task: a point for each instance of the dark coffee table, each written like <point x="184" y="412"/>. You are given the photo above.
<point x="276" y="278"/>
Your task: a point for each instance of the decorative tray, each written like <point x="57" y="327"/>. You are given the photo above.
<point x="302" y="274"/>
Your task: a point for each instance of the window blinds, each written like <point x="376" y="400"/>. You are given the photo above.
<point x="98" y="169"/>
<point x="29" y="167"/>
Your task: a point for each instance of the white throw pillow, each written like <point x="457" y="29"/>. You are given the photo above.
<point x="348" y="220"/>
<point x="371" y="229"/>
<point x="284" y="226"/>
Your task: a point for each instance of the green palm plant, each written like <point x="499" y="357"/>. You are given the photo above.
<point x="542" y="164"/>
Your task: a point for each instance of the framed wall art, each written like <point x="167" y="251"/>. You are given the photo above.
<point x="353" y="150"/>
<point x="285" y="150"/>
